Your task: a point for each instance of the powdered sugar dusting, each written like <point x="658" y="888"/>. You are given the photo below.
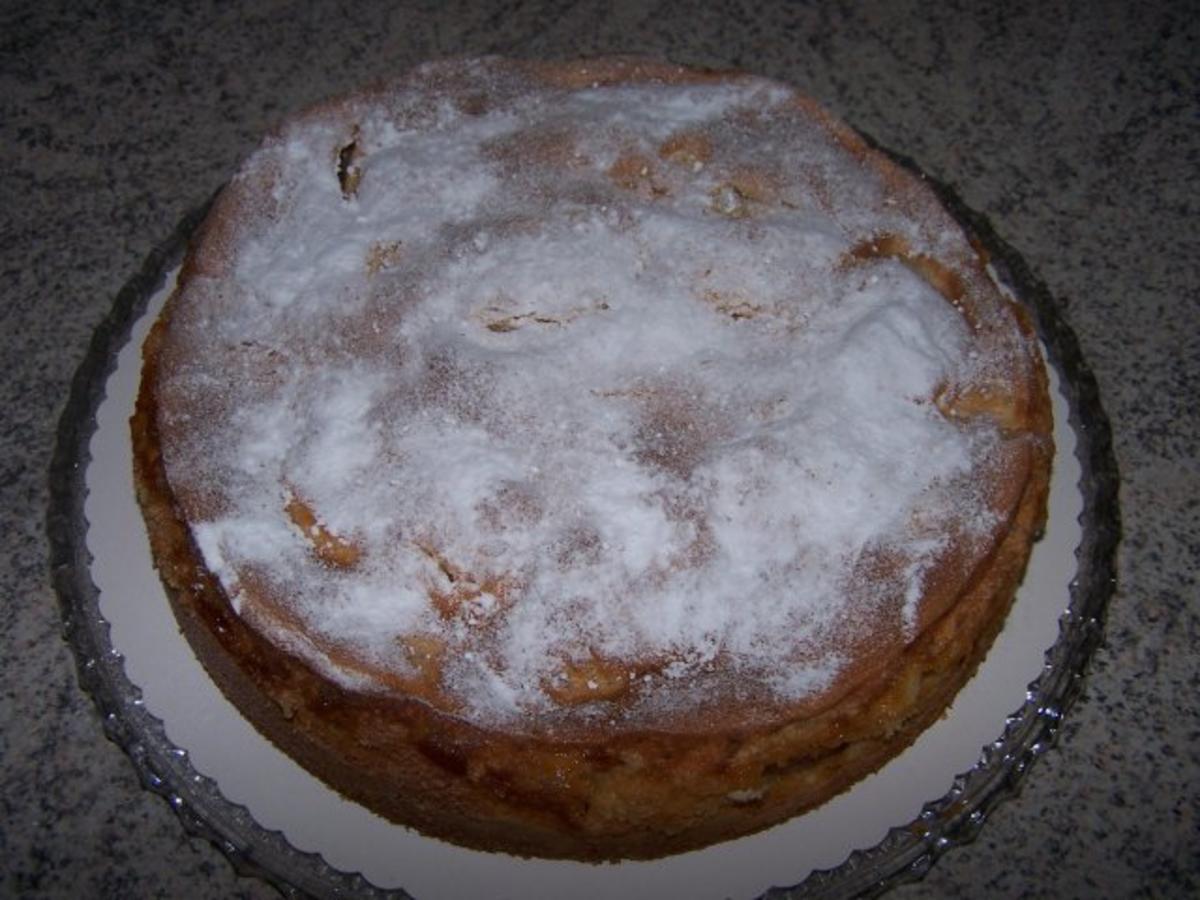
<point x="594" y="416"/>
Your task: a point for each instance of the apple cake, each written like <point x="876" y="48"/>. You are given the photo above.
<point x="590" y="460"/>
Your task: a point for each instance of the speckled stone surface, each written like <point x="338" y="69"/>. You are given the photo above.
<point x="1074" y="127"/>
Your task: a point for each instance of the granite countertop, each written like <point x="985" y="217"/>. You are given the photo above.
<point x="1075" y="128"/>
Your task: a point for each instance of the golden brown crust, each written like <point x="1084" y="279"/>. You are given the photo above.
<point x="593" y="794"/>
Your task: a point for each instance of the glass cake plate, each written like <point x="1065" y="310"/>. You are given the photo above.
<point x="273" y="820"/>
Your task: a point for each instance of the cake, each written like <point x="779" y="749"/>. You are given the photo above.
<point x="588" y="460"/>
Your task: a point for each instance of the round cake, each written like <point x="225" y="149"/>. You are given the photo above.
<point x="593" y="460"/>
